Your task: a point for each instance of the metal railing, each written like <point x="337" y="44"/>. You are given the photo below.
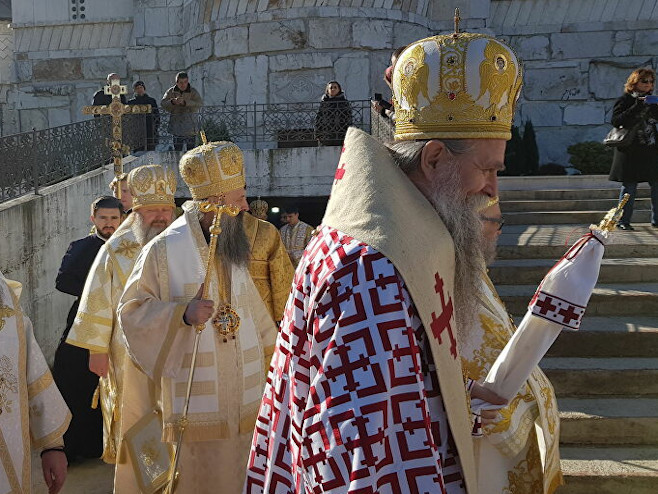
<point x="31" y="160"/>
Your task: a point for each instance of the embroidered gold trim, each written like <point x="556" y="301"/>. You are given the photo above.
<point x="40" y="384"/>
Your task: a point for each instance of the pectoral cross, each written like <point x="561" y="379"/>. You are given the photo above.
<point x="5" y="311"/>
<point x="117" y="110"/>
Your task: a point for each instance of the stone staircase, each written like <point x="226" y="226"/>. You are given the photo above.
<point x="606" y="374"/>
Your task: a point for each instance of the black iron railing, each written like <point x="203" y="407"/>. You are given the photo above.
<point x="31" y="160"/>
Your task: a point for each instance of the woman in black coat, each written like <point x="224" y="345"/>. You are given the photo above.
<point x="638" y="162"/>
<point x="334" y="116"/>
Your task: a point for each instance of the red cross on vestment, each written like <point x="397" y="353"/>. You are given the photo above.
<point x="545" y="306"/>
<point x="340" y="172"/>
<point x="569" y="314"/>
<point x="443" y="323"/>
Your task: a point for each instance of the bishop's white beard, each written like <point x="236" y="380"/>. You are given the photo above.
<point x="460" y="214"/>
<point x="145" y="233"/>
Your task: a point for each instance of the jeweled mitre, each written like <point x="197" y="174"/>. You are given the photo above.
<point x="213" y="169"/>
<point x="152" y="185"/>
<point x="457" y="86"/>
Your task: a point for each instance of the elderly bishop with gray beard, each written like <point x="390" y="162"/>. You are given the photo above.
<point x="96" y="326"/>
<point x="366" y="391"/>
<point x="249" y="281"/>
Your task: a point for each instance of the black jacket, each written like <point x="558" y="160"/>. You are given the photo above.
<point x="333" y="118"/>
<point x="152" y="119"/>
<point x="73" y="272"/>
<point x="639" y="161"/>
<point x="100" y="98"/>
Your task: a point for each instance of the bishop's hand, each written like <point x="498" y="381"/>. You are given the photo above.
<point x="199" y="310"/>
<point x="479" y="391"/>
<point x="54" y="466"/>
<point x="99" y="363"/>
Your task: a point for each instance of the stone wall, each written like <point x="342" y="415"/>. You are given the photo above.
<point x="577" y="56"/>
<point x="36" y="230"/>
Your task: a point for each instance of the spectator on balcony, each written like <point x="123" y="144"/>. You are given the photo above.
<point x="100" y="98"/>
<point x="152" y="119"/>
<point x="183" y="102"/>
<point x="334" y="116"/>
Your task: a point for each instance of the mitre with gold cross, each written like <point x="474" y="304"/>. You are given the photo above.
<point x="116" y="109"/>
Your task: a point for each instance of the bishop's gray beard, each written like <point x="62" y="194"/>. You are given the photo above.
<point x="460" y="214"/>
<point x="232" y="244"/>
<point x="144" y="233"/>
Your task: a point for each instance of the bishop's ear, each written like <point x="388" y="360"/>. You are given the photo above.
<point x="433" y="153"/>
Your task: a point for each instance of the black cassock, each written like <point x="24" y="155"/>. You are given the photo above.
<point x="75" y="381"/>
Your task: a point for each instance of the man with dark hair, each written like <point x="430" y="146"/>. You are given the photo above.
<point x="295" y="235"/>
<point x="152" y="119"/>
<point x="72" y="376"/>
<point x="183" y="102"/>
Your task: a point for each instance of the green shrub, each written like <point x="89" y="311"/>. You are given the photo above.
<point x="521" y="152"/>
<point x="591" y="157"/>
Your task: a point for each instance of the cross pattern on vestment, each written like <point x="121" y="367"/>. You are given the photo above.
<point x="569" y="314"/>
<point x="116" y="109"/>
<point x="443" y="322"/>
<point x="546" y="306"/>
<point x="5" y="311"/>
<point x="340" y="173"/>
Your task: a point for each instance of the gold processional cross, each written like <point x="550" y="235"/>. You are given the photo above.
<point x="117" y="110"/>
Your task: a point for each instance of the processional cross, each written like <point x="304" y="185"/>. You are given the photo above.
<point x="117" y="110"/>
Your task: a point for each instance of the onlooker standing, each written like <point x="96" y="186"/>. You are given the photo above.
<point x="75" y="381"/>
<point x="381" y="105"/>
<point x="100" y="98"/>
<point x="638" y="162"/>
<point x="152" y="119"/>
<point x="334" y="116"/>
<point x="183" y="102"/>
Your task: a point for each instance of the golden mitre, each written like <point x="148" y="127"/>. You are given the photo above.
<point x="213" y="169"/>
<point x="456" y="86"/>
<point x="259" y="208"/>
<point x="152" y="185"/>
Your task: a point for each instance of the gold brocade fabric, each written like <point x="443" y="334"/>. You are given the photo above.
<point x="295" y="239"/>
<point x="511" y="456"/>
<point x="270" y="266"/>
<point x="96" y="326"/>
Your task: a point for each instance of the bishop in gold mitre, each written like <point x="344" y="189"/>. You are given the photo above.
<point x="367" y="392"/>
<point x="96" y="327"/>
<point x="250" y="277"/>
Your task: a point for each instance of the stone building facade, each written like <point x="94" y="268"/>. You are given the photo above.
<point x="577" y="55"/>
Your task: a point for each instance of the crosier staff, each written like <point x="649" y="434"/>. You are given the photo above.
<point x="215" y="230"/>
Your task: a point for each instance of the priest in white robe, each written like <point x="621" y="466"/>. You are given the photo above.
<point x="96" y="327"/>
<point x="33" y="414"/>
<point x="249" y="278"/>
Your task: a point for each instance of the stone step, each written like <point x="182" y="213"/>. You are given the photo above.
<point x="574" y="376"/>
<point x="565" y="194"/>
<point x="610" y="336"/>
<point x="529" y="271"/>
<point x="568" y="217"/>
<point x="592" y="204"/>
<point x="607" y="299"/>
<point x="613" y="470"/>
<point x="608" y="421"/>
<point x="552" y="241"/>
